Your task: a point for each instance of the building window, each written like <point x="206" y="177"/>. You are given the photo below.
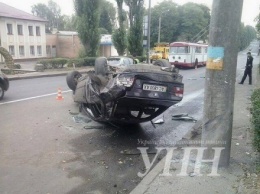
<point x="9" y="29"/>
<point x="198" y="50"/>
<point x="38" y="31"/>
<point x="32" y="50"/>
<point x="21" y="50"/>
<point x="39" y="50"/>
<point x="11" y="50"/>
<point x="20" y="29"/>
<point x="30" y="28"/>
<point x="48" y="49"/>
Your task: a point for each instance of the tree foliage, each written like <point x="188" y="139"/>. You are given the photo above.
<point x="257" y="19"/>
<point x="107" y="16"/>
<point x="69" y="23"/>
<point x="179" y="23"/>
<point x="168" y="12"/>
<point x="119" y="35"/>
<point x="246" y="35"/>
<point x="135" y="35"/>
<point x="50" y="12"/>
<point x="88" y="14"/>
<point x="193" y="19"/>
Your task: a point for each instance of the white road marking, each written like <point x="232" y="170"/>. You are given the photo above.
<point x="31" y="98"/>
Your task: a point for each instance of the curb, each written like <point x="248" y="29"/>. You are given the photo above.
<point x="24" y="76"/>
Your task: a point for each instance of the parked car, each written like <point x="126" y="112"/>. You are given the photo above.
<point x="134" y="94"/>
<point x="119" y="62"/>
<point x="4" y="84"/>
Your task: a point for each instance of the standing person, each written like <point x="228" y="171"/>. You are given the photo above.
<point x="248" y="70"/>
<point x="196" y="63"/>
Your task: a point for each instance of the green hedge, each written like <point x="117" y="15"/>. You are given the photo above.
<point x="17" y="66"/>
<point x="53" y="63"/>
<point x="87" y="61"/>
<point x="141" y="58"/>
<point x="256" y="118"/>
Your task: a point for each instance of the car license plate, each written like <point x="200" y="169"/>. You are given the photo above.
<point x="154" y="88"/>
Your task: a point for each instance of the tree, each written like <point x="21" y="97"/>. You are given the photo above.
<point x="135" y="36"/>
<point x="69" y="23"/>
<point x="193" y="19"/>
<point x="107" y="16"/>
<point x="257" y="19"/>
<point x="50" y="12"/>
<point x="246" y="35"/>
<point x="181" y="23"/>
<point x="168" y="12"/>
<point x="119" y="35"/>
<point x="88" y="14"/>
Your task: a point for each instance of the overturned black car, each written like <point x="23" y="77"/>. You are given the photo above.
<point x="133" y="94"/>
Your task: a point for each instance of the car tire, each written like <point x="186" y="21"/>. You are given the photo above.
<point x="101" y="67"/>
<point x="72" y="78"/>
<point x="2" y="92"/>
<point x="162" y="63"/>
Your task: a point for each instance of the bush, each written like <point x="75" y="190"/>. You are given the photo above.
<point x="17" y="66"/>
<point x="7" y="71"/>
<point x="53" y="63"/>
<point x="39" y="67"/>
<point x="256" y="118"/>
<point x="87" y="61"/>
<point x="141" y="58"/>
<point x="77" y="62"/>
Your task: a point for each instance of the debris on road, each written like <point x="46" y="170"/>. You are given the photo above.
<point x="183" y="117"/>
<point x="159" y="121"/>
<point x="95" y="127"/>
<point x="73" y="113"/>
<point x="79" y="119"/>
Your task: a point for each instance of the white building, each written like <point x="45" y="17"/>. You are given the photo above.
<point x="21" y="33"/>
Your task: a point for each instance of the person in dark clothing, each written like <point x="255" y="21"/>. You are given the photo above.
<point x="248" y="70"/>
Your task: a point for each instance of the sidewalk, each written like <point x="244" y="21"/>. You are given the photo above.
<point x="47" y="73"/>
<point x="240" y="177"/>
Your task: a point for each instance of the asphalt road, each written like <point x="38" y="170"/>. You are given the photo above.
<point x="46" y="146"/>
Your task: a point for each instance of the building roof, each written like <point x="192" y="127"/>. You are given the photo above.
<point x="67" y="33"/>
<point x="11" y="12"/>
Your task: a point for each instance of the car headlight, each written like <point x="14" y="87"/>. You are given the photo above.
<point x="125" y="80"/>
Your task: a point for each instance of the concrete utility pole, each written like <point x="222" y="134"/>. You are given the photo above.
<point x="221" y="76"/>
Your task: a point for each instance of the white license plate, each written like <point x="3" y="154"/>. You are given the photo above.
<point x="154" y="88"/>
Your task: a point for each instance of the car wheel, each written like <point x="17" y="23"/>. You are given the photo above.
<point x="2" y="92"/>
<point x="101" y="67"/>
<point x="162" y="63"/>
<point x="72" y="79"/>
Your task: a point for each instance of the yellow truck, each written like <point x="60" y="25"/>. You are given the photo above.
<point x="160" y="51"/>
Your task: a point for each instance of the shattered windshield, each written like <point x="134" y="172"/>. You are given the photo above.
<point x="113" y="61"/>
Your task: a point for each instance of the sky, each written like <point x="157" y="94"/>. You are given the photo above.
<point x="251" y="8"/>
